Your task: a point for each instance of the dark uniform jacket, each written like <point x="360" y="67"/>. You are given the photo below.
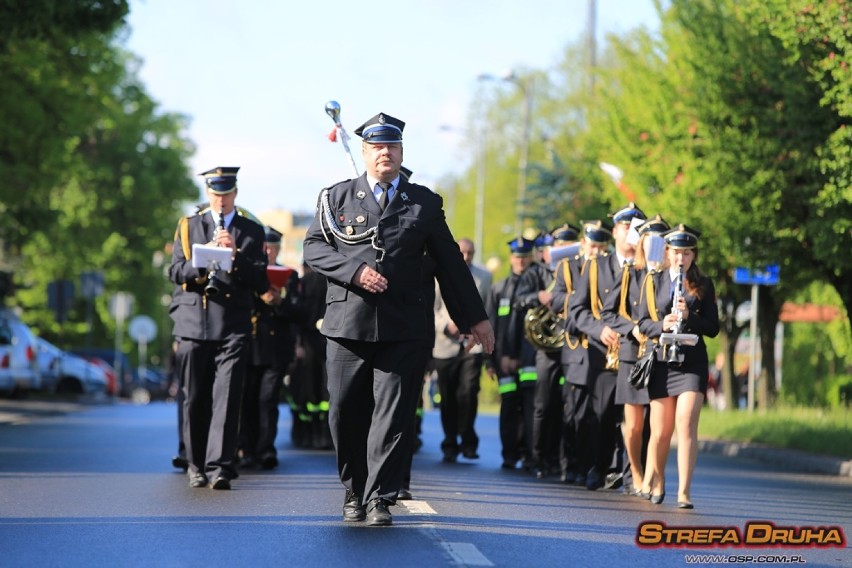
<point x="703" y="317"/>
<point x="227" y="313"/>
<point x="508" y="321"/>
<point x="614" y="312"/>
<point x="276" y="327"/>
<point x="575" y="359"/>
<point x="412" y="223"/>
<point x="606" y="271"/>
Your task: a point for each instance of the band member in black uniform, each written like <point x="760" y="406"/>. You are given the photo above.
<point x="548" y="405"/>
<point x="212" y="322"/>
<point x="684" y="301"/>
<point x="273" y="346"/>
<point x="308" y="388"/>
<point x="576" y="438"/>
<point x="620" y="309"/>
<point x="368" y="238"/>
<point x="592" y="290"/>
<point x="513" y="361"/>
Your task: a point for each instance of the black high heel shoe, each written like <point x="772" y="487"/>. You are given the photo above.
<point x="685" y="505"/>
<point x="658" y="499"/>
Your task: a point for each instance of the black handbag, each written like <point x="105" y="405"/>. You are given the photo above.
<point x="641" y="372"/>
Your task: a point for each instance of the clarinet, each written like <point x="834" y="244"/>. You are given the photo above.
<point x="675" y="355"/>
<point x="212" y="287"/>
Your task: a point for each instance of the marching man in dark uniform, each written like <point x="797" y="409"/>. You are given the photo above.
<point x="368" y="238"/>
<point x="273" y="347"/>
<point x="599" y="277"/>
<point x="213" y="328"/>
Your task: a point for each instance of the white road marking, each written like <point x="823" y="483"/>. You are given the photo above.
<point x="417" y="507"/>
<point x="466" y="554"/>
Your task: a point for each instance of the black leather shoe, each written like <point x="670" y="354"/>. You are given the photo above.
<point x="507" y="464"/>
<point x="685" y="505"/>
<point x="180" y="462"/>
<point x="450" y="457"/>
<point x="353" y="510"/>
<point x="404" y="495"/>
<point x="593" y="480"/>
<point x="658" y="499"/>
<point x="221" y="483"/>
<point x="378" y="514"/>
<point x="197" y="480"/>
<point x="613" y="481"/>
<point x="470" y="455"/>
<point x="247" y="462"/>
<point x="269" y="462"/>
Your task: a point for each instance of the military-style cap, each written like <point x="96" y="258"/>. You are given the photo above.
<point x="221" y="180"/>
<point x="381" y="129"/>
<point x="656" y="225"/>
<point x="405" y="172"/>
<point x="273" y="236"/>
<point x="521" y="246"/>
<point x="627" y="214"/>
<point x="682" y="237"/>
<point x="597" y="231"/>
<point x="566" y="232"/>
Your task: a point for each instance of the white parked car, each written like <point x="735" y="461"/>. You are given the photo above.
<point x="18" y="366"/>
<point x="64" y="373"/>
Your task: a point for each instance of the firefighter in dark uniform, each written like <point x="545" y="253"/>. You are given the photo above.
<point x="368" y="238"/>
<point x="548" y="412"/>
<point x="308" y="389"/>
<point x="599" y="277"/>
<point x="621" y="309"/>
<point x="273" y="346"/>
<point x="212" y="323"/>
<point x="513" y="361"/>
<point x="575" y="358"/>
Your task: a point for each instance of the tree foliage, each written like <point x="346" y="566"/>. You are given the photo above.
<point x="95" y="172"/>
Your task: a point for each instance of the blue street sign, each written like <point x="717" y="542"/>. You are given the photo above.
<point x="767" y="277"/>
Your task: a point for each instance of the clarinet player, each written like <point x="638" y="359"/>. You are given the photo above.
<point x="212" y="326"/>
<point x="684" y="301"/>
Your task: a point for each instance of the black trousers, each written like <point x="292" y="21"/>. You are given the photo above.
<point x="458" y="383"/>
<point x="516" y="414"/>
<point x="603" y="420"/>
<point x="576" y="445"/>
<point x="547" y="412"/>
<point x="212" y="381"/>
<point x="259" y="417"/>
<point x="373" y="389"/>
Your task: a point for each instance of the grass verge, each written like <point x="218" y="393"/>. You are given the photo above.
<point x="816" y="430"/>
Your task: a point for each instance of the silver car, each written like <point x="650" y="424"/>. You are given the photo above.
<point x="18" y="365"/>
<point x="65" y="373"/>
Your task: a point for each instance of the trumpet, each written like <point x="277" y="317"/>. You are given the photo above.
<point x="612" y="356"/>
<point x="212" y="287"/>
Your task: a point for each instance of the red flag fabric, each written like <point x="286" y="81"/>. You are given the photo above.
<point x="333" y="135"/>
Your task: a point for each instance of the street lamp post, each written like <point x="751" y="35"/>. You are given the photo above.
<point x="479" y="211"/>
<point x="526" y="90"/>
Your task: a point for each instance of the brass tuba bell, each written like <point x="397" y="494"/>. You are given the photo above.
<point x="544" y="329"/>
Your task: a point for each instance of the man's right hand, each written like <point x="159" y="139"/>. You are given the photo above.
<point x="370" y="280"/>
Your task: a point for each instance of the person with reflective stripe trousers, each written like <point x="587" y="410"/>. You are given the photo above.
<point x="513" y="360"/>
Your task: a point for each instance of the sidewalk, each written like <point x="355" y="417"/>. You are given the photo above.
<point x="17" y="412"/>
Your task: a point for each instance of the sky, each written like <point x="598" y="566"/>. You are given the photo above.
<point x="254" y="77"/>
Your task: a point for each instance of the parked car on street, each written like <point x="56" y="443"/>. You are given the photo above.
<point x="65" y="373"/>
<point x="18" y="365"/>
<point x="139" y="385"/>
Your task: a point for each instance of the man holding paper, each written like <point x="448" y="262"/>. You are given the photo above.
<point x="212" y="324"/>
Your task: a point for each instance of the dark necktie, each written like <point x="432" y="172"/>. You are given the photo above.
<point x="383" y="196"/>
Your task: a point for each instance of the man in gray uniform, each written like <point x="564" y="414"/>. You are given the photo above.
<point x="368" y="238"/>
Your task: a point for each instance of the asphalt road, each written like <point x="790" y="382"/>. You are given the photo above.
<point x="93" y="486"/>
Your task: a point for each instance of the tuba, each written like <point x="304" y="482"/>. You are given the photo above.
<point x="544" y="329"/>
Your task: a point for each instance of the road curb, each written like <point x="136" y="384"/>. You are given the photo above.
<point x="797" y="461"/>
